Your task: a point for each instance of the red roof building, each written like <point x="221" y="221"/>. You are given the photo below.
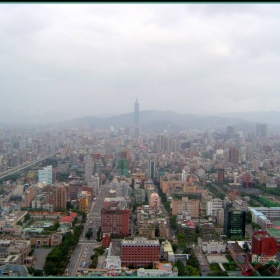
<point x="68" y="219"/>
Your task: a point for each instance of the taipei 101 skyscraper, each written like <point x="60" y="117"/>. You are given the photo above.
<point x="136" y="118"/>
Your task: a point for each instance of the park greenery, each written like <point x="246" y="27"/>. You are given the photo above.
<point x="99" y="235"/>
<point x="163" y="198"/>
<point x="97" y="252"/>
<point x="58" y="259"/>
<point x="35" y="272"/>
<point x="215" y="191"/>
<point x="89" y="233"/>
<point x="192" y="267"/>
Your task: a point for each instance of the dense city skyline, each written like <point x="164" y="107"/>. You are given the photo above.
<point x="136" y="200"/>
<point x="62" y="61"/>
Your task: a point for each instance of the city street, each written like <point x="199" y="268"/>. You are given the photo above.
<point x="249" y="229"/>
<point x="85" y="247"/>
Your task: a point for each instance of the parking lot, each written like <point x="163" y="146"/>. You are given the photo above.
<point x="40" y="256"/>
<point x="216" y="258"/>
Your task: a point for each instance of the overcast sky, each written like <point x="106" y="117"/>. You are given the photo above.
<point x="60" y="61"/>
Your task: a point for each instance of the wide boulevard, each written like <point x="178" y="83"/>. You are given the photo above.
<point x="85" y="247"/>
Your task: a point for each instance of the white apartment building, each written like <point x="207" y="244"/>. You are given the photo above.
<point x="88" y="167"/>
<point x="45" y="175"/>
<point x="213" y="206"/>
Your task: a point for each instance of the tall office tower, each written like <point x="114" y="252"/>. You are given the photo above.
<point x="136" y="118"/>
<point x="60" y="198"/>
<point x="45" y="175"/>
<point x="261" y="130"/>
<point x="220" y="175"/>
<point x="152" y="167"/>
<point x="233" y="155"/>
<point x="230" y="131"/>
<point x="160" y="143"/>
<point x="123" y="166"/>
<point x="88" y="168"/>
<point x="74" y="158"/>
<point x="167" y="144"/>
<point x="234" y="222"/>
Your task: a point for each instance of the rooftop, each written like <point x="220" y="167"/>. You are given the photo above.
<point x="210" y="237"/>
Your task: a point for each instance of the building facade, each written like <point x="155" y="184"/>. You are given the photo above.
<point x="45" y="175"/>
<point x="211" y="244"/>
<point x="234" y="223"/>
<point x="141" y="252"/>
<point x="263" y="244"/>
<point x="116" y="221"/>
<point x="60" y="198"/>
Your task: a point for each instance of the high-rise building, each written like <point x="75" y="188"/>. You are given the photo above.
<point x="233" y="156"/>
<point x="220" y="175"/>
<point x="136" y="118"/>
<point x="116" y="221"/>
<point x="84" y="201"/>
<point x="167" y="147"/>
<point x="74" y="159"/>
<point x="261" y="130"/>
<point x="230" y="131"/>
<point x="45" y="175"/>
<point x="152" y="167"/>
<point x="123" y="166"/>
<point x="234" y="222"/>
<point x="60" y="198"/>
<point x="160" y="143"/>
<point x="94" y="182"/>
<point x="263" y="244"/>
<point x="88" y="167"/>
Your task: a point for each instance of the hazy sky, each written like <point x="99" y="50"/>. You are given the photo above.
<point x="60" y="61"/>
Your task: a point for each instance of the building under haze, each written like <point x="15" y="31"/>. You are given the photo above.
<point x="220" y="175"/>
<point x="233" y="156"/>
<point x="136" y="118"/>
<point x="261" y="130"/>
<point x="152" y="167"/>
<point x="88" y="168"/>
<point x="45" y="175"/>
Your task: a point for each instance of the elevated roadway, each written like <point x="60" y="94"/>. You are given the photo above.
<point x="24" y="166"/>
